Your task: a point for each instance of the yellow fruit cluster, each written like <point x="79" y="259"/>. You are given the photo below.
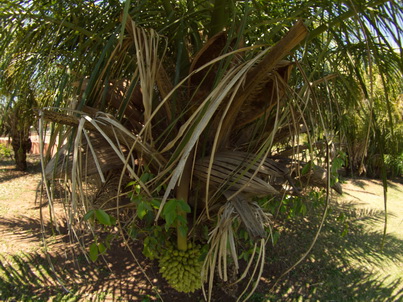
<point x="182" y="269"/>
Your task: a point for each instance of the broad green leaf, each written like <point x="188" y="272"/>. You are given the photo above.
<point x="142" y="209"/>
<point x="170" y="219"/>
<point x="101" y="248"/>
<point x="108" y="240"/>
<point x="170" y="206"/>
<point x="93" y="252"/>
<point x="181" y="220"/>
<point x="132" y="183"/>
<point x="156" y="203"/>
<point x="133" y="232"/>
<point x="345" y="230"/>
<point x="136" y="198"/>
<point x="183" y="230"/>
<point x="90" y="214"/>
<point x="103" y="217"/>
<point x="276" y="236"/>
<point x="183" y="206"/>
<point x="303" y="209"/>
<point x="146" y="177"/>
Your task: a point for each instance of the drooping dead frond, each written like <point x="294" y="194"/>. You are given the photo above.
<point x="232" y="173"/>
<point x="251" y="216"/>
<point x="220" y="238"/>
<point x="146" y="43"/>
<point x="238" y="176"/>
<point x="199" y="120"/>
<point x="223" y="245"/>
<point x="265" y="97"/>
<point x="98" y="157"/>
<point x="258" y="74"/>
<point x="203" y="81"/>
<point x="244" y="172"/>
<point x="108" y="127"/>
<point x="317" y="176"/>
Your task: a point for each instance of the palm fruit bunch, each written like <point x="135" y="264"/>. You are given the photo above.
<point x="182" y="269"/>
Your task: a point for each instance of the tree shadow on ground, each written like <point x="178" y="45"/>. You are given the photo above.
<point x="358" y="182"/>
<point x="64" y="274"/>
<point x="341" y="265"/>
<point x="335" y="270"/>
<point x="8" y="166"/>
<point x="363" y="182"/>
<point x="63" y="277"/>
<point x="27" y="228"/>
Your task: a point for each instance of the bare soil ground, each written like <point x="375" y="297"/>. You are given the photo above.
<point x="18" y="228"/>
<point x="27" y="273"/>
<point x="346" y="264"/>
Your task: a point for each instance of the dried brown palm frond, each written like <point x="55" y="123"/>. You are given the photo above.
<point x="238" y="170"/>
<point x="239" y="176"/>
<point x="109" y="128"/>
<point x="98" y="156"/>
<point x="259" y="75"/>
<point x="265" y="97"/>
<point x="220" y="238"/>
<point x="146" y="44"/>
<point x="100" y="145"/>
<point x="202" y="82"/>
<point x="314" y="175"/>
<point x="193" y="129"/>
<point x="115" y="91"/>
<point x="271" y="170"/>
<point x="251" y="215"/>
<point x="232" y="173"/>
<point x="222" y="243"/>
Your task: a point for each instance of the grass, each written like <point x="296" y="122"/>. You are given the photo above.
<point x="348" y="262"/>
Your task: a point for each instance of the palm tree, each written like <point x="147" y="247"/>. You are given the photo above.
<point x="16" y="122"/>
<point x="39" y="44"/>
<point x="201" y="108"/>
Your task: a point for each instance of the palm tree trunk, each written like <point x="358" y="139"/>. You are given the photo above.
<point x="21" y="144"/>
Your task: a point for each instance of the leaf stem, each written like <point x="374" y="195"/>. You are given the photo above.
<point x="183" y="193"/>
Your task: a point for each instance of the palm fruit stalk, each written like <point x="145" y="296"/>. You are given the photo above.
<point x="181" y="266"/>
<point x="183" y="193"/>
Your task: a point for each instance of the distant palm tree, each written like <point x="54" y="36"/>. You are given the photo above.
<point x="17" y="119"/>
<point x="200" y="102"/>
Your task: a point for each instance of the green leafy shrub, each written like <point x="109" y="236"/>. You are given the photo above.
<point x="394" y="165"/>
<point x="5" y="152"/>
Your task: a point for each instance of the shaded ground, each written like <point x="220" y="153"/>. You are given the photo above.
<point x="19" y="228"/>
<point x="346" y="264"/>
<point x="26" y="274"/>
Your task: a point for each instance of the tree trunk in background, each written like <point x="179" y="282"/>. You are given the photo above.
<point x="21" y="144"/>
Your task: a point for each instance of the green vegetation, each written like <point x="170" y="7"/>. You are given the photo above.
<point x="5" y="152"/>
<point x="182" y="269"/>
